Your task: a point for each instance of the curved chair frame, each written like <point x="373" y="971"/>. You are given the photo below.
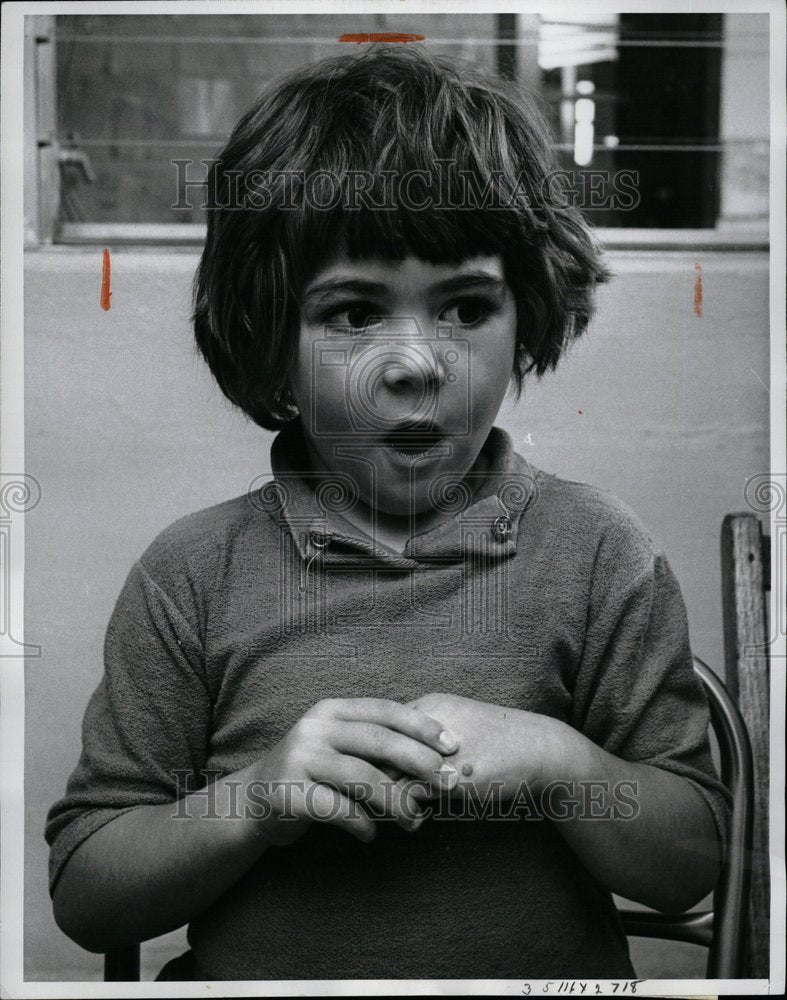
<point x="722" y="930"/>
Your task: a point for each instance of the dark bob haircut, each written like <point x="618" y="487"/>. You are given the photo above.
<point x="384" y="154"/>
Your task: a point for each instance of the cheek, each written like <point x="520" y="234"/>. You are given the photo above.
<point x="314" y="386"/>
<point x="508" y="334"/>
<point x="492" y="359"/>
<point x="320" y="393"/>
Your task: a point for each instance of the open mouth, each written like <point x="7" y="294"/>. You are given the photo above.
<point x="413" y="445"/>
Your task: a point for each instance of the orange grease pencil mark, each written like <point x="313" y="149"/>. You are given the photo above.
<point x="698" y="291"/>
<point x="106" y="294"/>
<point x="382" y="36"/>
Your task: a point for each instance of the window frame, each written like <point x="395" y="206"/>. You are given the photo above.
<point x="42" y="198"/>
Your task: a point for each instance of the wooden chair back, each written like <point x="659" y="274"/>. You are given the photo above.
<point x="746" y="581"/>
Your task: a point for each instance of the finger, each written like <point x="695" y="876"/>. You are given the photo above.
<point x="404" y="719"/>
<point x="326" y="804"/>
<point x="381" y="745"/>
<point x="364" y="784"/>
<point x="416" y="788"/>
<point x="420" y="791"/>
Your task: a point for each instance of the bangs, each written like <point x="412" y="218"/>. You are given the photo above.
<point x="436" y="230"/>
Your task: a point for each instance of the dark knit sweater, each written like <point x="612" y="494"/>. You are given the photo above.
<point x="233" y="624"/>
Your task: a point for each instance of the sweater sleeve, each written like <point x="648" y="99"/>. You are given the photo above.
<point x="146" y="727"/>
<point x="636" y="693"/>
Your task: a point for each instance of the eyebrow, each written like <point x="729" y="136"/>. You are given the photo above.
<point x="363" y="287"/>
<point x="356" y="285"/>
<point x="469" y="279"/>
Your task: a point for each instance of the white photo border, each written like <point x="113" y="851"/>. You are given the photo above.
<point x="12" y="465"/>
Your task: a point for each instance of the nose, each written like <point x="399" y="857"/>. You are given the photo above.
<point x="397" y="376"/>
<point x="413" y="366"/>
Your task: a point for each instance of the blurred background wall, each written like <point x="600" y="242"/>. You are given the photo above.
<point x="126" y="432"/>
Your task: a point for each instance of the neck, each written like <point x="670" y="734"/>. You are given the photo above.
<point x="391" y="530"/>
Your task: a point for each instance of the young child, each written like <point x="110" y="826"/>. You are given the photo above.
<point x="267" y="757"/>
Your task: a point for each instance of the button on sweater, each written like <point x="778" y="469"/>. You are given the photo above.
<point x="534" y="592"/>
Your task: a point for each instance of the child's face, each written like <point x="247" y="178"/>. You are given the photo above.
<point x="402" y="348"/>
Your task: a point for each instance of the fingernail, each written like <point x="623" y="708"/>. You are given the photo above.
<point x="447" y="740"/>
<point x="417" y="823"/>
<point x="447" y="774"/>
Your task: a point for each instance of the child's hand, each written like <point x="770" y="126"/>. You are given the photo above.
<point x="334" y="758"/>
<point x="496" y="743"/>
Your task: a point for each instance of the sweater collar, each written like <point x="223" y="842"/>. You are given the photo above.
<point x="485" y="508"/>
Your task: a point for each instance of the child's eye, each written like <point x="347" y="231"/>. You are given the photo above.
<point x="467" y="312"/>
<point x="359" y="316"/>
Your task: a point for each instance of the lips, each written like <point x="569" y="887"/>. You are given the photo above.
<point x="413" y="444"/>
